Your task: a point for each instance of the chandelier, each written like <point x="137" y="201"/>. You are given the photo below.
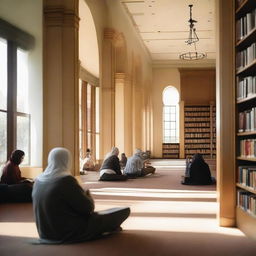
<point x="192" y="40"/>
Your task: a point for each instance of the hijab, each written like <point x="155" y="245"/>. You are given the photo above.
<point x="199" y="170"/>
<point x="16" y="156"/>
<point x="59" y="165"/>
<point x="114" y="151"/>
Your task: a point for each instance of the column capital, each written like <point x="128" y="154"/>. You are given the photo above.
<point x="58" y="16"/>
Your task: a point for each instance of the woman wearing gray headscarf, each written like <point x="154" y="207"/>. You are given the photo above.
<point x="110" y="169"/>
<point x="64" y="212"/>
<point x="135" y="166"/>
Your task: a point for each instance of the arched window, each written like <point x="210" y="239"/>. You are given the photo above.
<point x="170" y="115"/>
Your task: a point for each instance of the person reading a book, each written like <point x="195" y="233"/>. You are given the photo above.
<point x="197" y="172"/>
<point x="11" y="172"/>
<point x="138" y="165"/>
<point x="14" y="187"/>
<point x="64" y="212"/>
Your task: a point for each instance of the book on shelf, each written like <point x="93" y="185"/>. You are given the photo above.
<point x="248" y="148"/>
<point x="245" y="57"/>
<point x="247" y="120"/>
<point x="245" y="25"/>
<point x="247" y="176"/>
<point x="246" y="87"/>
<point x="247" y="201"/>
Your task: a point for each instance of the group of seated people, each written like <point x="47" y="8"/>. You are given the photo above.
<point x="58" y="198"/>
<point x="135" y="166"/>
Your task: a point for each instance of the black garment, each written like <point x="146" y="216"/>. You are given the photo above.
<point x="64" y="212"/>
<point x="17" y="193"/>
<point x="198" y="172"/>
<point x="112" y="163"/>
<point x="112" y="177"/>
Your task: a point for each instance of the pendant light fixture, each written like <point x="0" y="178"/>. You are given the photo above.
<point x="192" y="40"/>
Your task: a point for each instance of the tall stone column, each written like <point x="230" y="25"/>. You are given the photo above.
<point x="225" y="112"/>
<point x="108" y="93"/>
<point x="60" y="92"/>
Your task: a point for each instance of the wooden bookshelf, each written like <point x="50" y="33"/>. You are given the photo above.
<point x="200" y="130"/>
<point x="171" y="150"/>
<point x="246" y="137"/>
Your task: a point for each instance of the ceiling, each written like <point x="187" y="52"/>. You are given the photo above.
<point x="163" y="26"/>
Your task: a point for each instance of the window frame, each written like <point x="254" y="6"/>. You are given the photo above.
<point x="15" y="39"/>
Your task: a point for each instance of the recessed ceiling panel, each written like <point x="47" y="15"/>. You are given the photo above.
<point x="164" y="28"/>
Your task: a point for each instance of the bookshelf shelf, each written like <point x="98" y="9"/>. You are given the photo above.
<point x="246" y="133"/>
<point x="247" y="99"/>
<point x="199" y="130"/>
<point x="247" y="70"/>
<point x="244" y="7"/>
<point x="246" y="222"/>
<point x="245" y="42"/>
<point x="171" y="150"/>
<point x="245" y="51"/>
<point x="246" y="188"/>
<point x="251" y="159"/>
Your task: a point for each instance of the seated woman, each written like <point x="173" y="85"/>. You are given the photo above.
<point x="137" y="165"/>
<point x="64" y="212"/>
<point x="197" y="172"/>
<point x="110" y="169"/>
<point x="14" y="187"/>
<point x="88" y="163"/>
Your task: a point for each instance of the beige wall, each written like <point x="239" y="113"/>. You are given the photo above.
<point x="124" y="50"/>
<point x="161" y="79"/>
<point x="197" y="86"/>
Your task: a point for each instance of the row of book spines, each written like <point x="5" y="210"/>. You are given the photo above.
<point x="194" y="151"/>
<point x="246" y="87"/>
<point x="245" y="25"/>
<point x="197" y="109"/>
<point x="247" y="176"/>
<point x="197" y="130"/>
<point x="170" y="151"/>
<point x="198" y="141"/>
<point x="247" y="201"/>
<point x="247" y="120"/>
<point x="197" y="119"/>
<point x="197" y="135"/>
<point x="246" y="56"/>
<point x="192" y="146"/>
<point x="195" y="114"/>
<point x="248" y="148"/>
<point x="207" y="124"/>
<point x="170" y="146"/>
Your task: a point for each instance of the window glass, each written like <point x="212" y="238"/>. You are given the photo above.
<point x="170" y="96"/>
<point x="171" y="115"/>
<point x="22" y="81"/>
<point x="23" y="135"/>
<point x="3" y="137"/>
<point x="3" y="74"/>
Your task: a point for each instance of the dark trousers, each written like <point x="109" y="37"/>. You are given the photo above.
<point x="107" y="221"/>
<point x="112" y="177"/>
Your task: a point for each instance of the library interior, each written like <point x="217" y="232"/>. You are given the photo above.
<point x="170" y="78"/>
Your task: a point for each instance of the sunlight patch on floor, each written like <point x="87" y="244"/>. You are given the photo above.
<point x="20" y="229"/>
<point x="154" y="193"/>
<point x="178" y="225"/>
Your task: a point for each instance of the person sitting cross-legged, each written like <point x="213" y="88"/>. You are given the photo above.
<point x="136" y="165"/>
<point x="64" y="212"/>
<point x="110" y="169"/>
<point x="197" y="172"/>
